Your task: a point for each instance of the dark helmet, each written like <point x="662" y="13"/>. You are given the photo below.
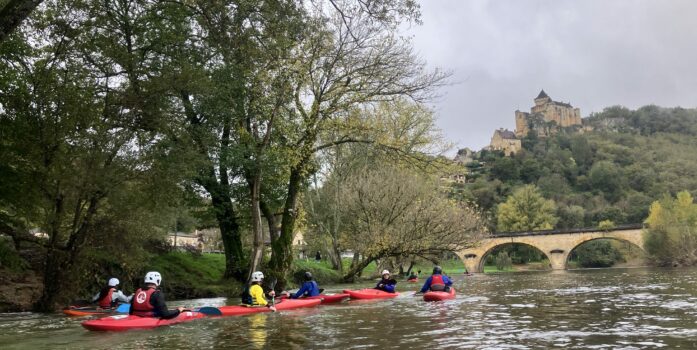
<point x="308" y="276"/>
<point x="437" y="270"/>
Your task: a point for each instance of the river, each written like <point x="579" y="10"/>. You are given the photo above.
<point x="636" y="308"/>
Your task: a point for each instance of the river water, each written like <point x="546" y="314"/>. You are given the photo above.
<point x="586" y="309"/>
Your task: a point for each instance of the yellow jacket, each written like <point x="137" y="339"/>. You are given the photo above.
<point x="257" y="294"/>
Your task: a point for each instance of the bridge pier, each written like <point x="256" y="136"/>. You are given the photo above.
<point x="558" y="259"/>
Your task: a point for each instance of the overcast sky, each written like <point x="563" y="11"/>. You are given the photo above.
<point x="592" y="54"/>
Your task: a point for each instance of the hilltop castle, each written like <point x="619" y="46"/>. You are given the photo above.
<point x="545" y="112"/>
<point x="546" y="116"/>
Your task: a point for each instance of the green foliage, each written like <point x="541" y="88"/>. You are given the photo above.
<point x="9" y="258"/>
<point x="597" y="253"/>
<point x="503" y="261"/>
<point x="321" y="271"/>
<point x="526" y="210"/>
<point x="614" y="172"/>
<point x="671" y="236"/>
<point x="606" y="225"/>
<point x="188" y="276"/>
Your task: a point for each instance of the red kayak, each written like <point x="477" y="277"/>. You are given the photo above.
<point x="413" y="280"/>
<point x="287" y="304"/>
<point x="369" y="293"/>
<point x="127" y="322"/>
<point x="326" y="298"/>
<point x="331" y="298"/>
<point x="87" y="311"/>
<point x="439" y="296"/>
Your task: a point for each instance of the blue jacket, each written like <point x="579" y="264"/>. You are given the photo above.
<point x="308" y="289"/>
<point x="427" y="284"/>
<point x="386" y="285"/>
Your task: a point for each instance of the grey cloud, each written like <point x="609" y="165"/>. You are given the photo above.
<point x="593" y="54"/>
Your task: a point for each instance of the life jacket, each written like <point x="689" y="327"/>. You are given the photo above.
<point x="141" y="302"/>
<point x="437" y="283"/>
<point x="105" y="301"/>
<point x="247" y="297"/>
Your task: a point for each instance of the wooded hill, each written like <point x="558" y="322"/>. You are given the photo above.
<point x="630" y="159"/>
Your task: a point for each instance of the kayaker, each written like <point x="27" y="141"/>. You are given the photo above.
<point x="437" y="282"/>
<point x="308" y="289"/>
<point x="413" y="276"/>
<point x="253" y="295"/>
<point x="150" y="302"/>
<point x="386" y="284"/>
<point x="110" y="295"/>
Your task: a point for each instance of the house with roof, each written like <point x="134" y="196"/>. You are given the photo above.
<point x="506" y="141"/>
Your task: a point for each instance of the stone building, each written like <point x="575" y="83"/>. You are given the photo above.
<point x="544" y="113"/>
<point x="506" y="141"/>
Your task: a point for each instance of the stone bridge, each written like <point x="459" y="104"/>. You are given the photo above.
<point x="555" y="244"/>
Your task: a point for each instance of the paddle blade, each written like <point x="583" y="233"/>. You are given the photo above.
<point x="210" y="311"/>
<point x="123" y="308"/>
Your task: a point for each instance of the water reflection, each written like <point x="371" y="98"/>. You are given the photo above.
<point x="613" y="309"/>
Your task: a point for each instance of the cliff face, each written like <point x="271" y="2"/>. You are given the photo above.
<point x="18" y="292"/>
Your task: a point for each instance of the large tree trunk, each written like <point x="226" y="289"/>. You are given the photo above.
<point x="230" y="234"/>
<point x="282" y="248"/>
<point x="258" y="245"/>
<point x="13" y="14"/>
<point x="336" y="256"/>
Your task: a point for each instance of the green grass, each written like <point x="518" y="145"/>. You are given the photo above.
<point x="321" y="271"/>
<point x="493" y="269"/>
<point x="187" y="276"/>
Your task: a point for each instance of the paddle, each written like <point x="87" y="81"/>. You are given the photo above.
<point x="123" y="308"/>
<point x="273" y="297"/>
<point x="210" y="311"/>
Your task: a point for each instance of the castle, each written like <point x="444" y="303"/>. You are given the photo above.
<point x="546" y="111"/>
<point x="546" y="116"/>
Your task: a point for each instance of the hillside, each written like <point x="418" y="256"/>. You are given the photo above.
<point x="631" y="158"/>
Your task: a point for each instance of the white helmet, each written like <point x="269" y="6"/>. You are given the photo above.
<point x="385" y="272"/>
<point x="113" y="282"/>
<point x="153" y="277"/>
<point x="257" y="276"/>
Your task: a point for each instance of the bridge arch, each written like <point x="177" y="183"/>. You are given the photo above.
<point x="482" y="260"/>
<point x="632" y="242"/>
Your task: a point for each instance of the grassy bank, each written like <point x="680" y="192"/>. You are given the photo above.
<point x="189" y="276"/>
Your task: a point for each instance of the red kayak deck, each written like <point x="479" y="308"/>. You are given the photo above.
<point x="121" y="323"/>
<point x="331" y="298"/>
<point x="326" y="298"/>
<point x="286" y="304"/>
<point x="413" y="280"/>
<point x="439" y="296"/>
<point x="369" y="293"/>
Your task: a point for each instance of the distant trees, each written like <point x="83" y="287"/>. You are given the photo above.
<point x="397" y="212"/>
<point x="526" y="210"/>
<point x="597" y="253"/>
<point x="671" y="236"/>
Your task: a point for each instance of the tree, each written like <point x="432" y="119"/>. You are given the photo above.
<point x="671" y="236"/>
<point x="79" y="153"/>
<point x="597" y="253"/>
<point x="526" y="210"/>
<point x="394" y="212"/>
<point x="13" y="13"/>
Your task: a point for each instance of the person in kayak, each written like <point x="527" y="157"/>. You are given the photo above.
<point x="437" y="282"/>
<point x="310" y="288"/>
<point x="386" y="284"/>
<point x="413" y="276"/>
<point x="253" y="295"/>
<point x="110" y="295"/>
<point x="149" y="301"/>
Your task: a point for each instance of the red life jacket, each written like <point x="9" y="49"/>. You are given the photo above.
<point x="141" y="302"/>
<point x="437" y="283"/>
<point x="105" y="302"/>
